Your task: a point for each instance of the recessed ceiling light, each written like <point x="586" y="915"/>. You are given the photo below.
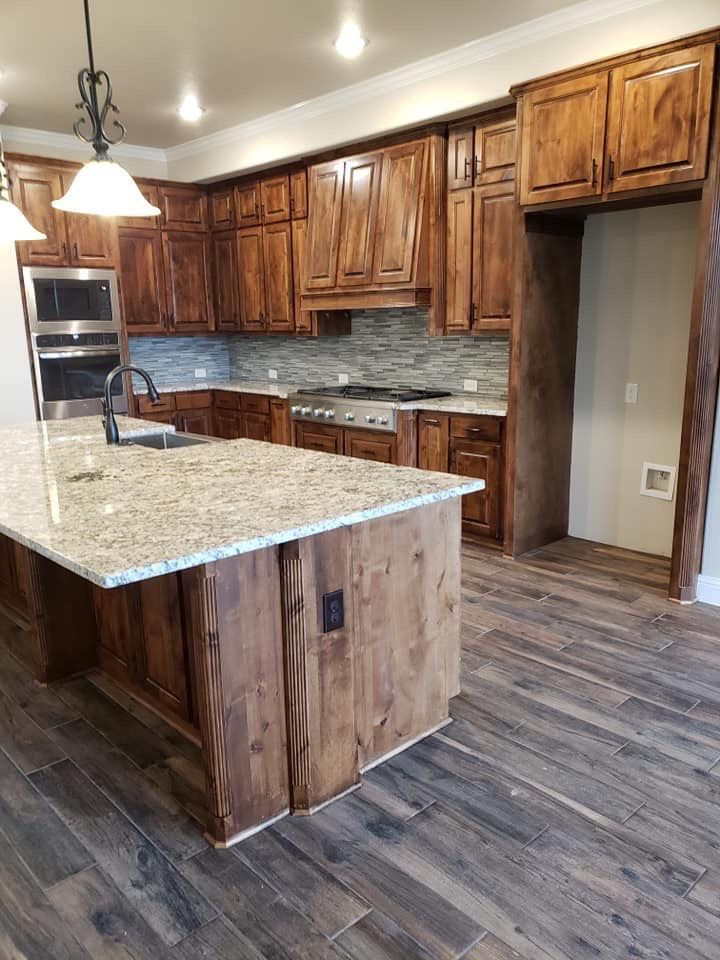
<point x="351" y="42"/>
<point x="190" y="109"/>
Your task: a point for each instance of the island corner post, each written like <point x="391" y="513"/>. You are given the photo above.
<point x="288" y="714"/>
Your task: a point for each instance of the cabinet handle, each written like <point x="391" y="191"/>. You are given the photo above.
<point x="611" y="168"/>
<point x="65" y="251"/>
<point x="75" y="251"/>
<point x="594" y="172"/>
<point x="434" y="423"/>
<point x="477" y="165"/>
<point x="474" y="429"/>
<point x="262" y="211"/>
<point x="467" y="168"/>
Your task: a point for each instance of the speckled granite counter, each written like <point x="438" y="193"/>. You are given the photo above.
<point x="115" y="515"/>
<point x="267" y="388"/>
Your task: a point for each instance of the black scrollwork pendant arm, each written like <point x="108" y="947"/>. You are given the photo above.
<point x="93" y="85"/>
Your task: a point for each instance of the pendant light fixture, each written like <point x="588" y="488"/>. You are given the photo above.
<point x="14" y="225"/>
<point x="101" y="187"/>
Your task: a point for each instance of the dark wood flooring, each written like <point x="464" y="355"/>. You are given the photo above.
<point x="571" y="811"/>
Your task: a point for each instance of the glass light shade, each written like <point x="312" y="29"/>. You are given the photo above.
<point x="103" y="188"/>
<point x="14" y="225"/>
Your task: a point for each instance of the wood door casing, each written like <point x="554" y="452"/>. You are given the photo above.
<point x="187" y="276"/>
<point x="370" y="446"/>
<point x="247" y="203"/>
<point x="495" y="152"/>
<point x="433" y="441"/>
<point x="459" y="260"/>
<point x="322" y="242"/>
<point x="142" y="283"/>
<point x="563" y="139"/>
<point x="401" y="194"/>
<point x="251" y="278"/>
<point x="361" y="193"/>
<point x="275" y="199"/>
<point x="493" y="220"/>
<point x="278" y="274"/>
<point x="225" y="280"/>
<point x="317" y="436"/>
<point x="460" y="158"/>
<point x="481" y="512"/>
<point x="183" y="208"/>
<point x="659" y="119"/>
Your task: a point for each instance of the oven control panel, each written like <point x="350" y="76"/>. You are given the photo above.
<point x="50" y="341"/>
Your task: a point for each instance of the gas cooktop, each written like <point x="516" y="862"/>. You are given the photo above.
<point x="357" y="391"/>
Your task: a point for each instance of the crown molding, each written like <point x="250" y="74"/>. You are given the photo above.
<point x="475" y="51"/>
<point x="67" y="142"/>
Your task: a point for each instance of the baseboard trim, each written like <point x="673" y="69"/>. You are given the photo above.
<point x="708" y="590"/>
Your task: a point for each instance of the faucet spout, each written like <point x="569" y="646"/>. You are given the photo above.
<point x="112" y="434"/>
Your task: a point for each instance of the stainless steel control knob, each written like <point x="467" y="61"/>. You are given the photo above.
<point x="369" y="419"/>
<point x="329" y="414"/>
<point x="305" y="411"/>
<point x="349" y="416"/>
<point x="295" y="409"/>
<point x="382" y="420"/>
<point x="318" y="412"/>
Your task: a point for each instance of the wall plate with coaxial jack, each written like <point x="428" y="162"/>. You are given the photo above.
<point x="333" y="611"/>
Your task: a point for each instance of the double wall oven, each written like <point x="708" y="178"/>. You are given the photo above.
<point x="75" y="335"/>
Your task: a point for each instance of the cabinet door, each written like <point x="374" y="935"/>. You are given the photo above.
<point x="247" y="203"/>
<point x="460" y="158"/>
<point x="316" y="436"/>
<point x="481" y="512"/>
<point x="251" y="278"/>
<point x="303" y="318"/>
<point x="227" y="424"/>
<point x="195" y="421"/>
<point x="370" y="447"/>
<point x="659" y="119"/>
<point x="186" y="262"/>
<point x="563" y="140"/>
<point x="459" y="260"/>
<point x="141" y="281"/>
<point x="277" y="260"/>
<point x="256" y="426"/>
<point x="321" y="254"/>
<point x="495" y="152"/>
<point x="162" y="662"/>
<point x="361" y="194"/>
<point x="221" y="208"/>
<point x="183" y="208"/>
<point x="33" y="187"/>
<point x="275" y="199"/>
<point x="433" y="440"/>
<point x="151" y="192"/>
<point x="92" y="241"/>
<point x="225" y="280"/>
<point x="399" y="215"/>
<point x="493" y="219"/>
<point x="298" y="194"/>
<point x="117" y="613"/>
<point x="280" y="422"/>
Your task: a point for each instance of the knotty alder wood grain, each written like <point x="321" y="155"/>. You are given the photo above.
<point x="565" y="815"/>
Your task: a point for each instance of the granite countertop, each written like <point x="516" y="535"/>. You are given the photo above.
<point x="473" y="403"/>
<point x="119" y="514"/>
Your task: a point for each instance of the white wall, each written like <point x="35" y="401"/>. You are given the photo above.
<point x="709" y="588"/>
<point x="635" y="300"/>
<point x="16" y="394"/>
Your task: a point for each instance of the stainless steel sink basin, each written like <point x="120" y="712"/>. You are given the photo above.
<point x="165" y="441"/>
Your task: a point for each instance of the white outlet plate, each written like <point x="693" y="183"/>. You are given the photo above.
<point x="470" y="386"/>
<point x="631" y="393"/>
<point x="272" y="374"/>
<point x="343" y="378"/>
<point x="200" y="373"/>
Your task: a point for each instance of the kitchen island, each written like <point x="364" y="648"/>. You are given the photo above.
<point x="295" y="613"/>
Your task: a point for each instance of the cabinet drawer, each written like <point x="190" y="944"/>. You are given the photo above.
<point x="476" y="428"/>
<point x="254" y="403"/>
<point x="368" y="447"/>
<point x="193" y="401"/>
<point x="166" y="404"/>
<point x="227" y="400"/>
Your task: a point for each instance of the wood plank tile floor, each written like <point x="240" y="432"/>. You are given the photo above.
<point x="571" y="811"/>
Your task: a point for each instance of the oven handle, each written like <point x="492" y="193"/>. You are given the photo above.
<point x="63" y="354"/>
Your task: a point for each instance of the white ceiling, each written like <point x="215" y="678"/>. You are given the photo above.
<point x="242" y="60"/>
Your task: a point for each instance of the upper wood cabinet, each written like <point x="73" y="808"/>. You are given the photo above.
<point x="303" y="318"/>
<point x="459" y="260"/>
<point x="275" y="199"/>
<point x="298" y="194"/>
<point x="251" y="278"/>
<point x="659" y="119"/>
<point x="493" y="218"/>
<point x="359" y="216"/>
<point x="151" y="192"/>
<point x="321" y="252"/>
<point x="563" y="140"/>
<point x="460" y="157"/>
<point x="186" y="257"/>
<point x="278" y="270"/>
<point x="641" y="122"/>
<point x="403" y="171"/>
<point x="73" y="240"/>
<point x="481" y="153"/>
<point x="183" y="208"/>
<point x="142" y="283"/>
<point x="223" y="249"/>
<point x="221" y="208"/>
<point x="247" y="203"/>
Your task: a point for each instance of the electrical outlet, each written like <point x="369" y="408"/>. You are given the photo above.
<point x="333" y="611"/>
<point x="272" y="374"/>
<point x="200" y="373"/>
<point x="631" y="393"/>
<point x="470" y="386"/>
<point x="343" y="378"/>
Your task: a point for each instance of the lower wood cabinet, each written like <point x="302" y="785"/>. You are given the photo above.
<point x="472" y="446"/>
<point x="370" y="446"/>
<point x="398" y="448"/>
<point x="226" y="414"/>
<point x="319" y="436"/>
<point x="194" y="412"/>
<point x="14" y="577"/>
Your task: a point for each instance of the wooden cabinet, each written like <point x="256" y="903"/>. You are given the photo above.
<point x="247" y="203"/>
<point x="659" y="119"/>
<point x="278" y="277"/>
<point x="298" y="194"/>
<point x="221" y="208"/>
<point x="194" y="412"/>
<point x="223" y="247"/>
<point x="317" y="436"/>
<point x="433" y="441"/>
<point x="459" y="260"/>
<point x="142" y="281"/>
<point x="275" y="199"/>
<point x="481" y="153"/>
<point x="321" y="252"/>
<point x="183" y="208"/>
<point x="280" y="426"/>
<point x="256" y="426"/>
<point x="14" y="575"/>
<point x="492" y="246"/>
<point x="460" y="157"/>
<point x="303" y="318"/>
<point x="403" y="171"/>
<point x="151" y="192"/>
<point x="251" y="278"/>
<point x="359" y="215"/>
<point x="227" y="415"/>
<point x="370" y="446"/>
<point x="187" y="281"/>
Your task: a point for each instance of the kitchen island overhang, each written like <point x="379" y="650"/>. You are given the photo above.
<point x="223" y="626"/>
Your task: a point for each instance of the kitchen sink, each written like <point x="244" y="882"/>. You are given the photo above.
<point x="165" y="441"/>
